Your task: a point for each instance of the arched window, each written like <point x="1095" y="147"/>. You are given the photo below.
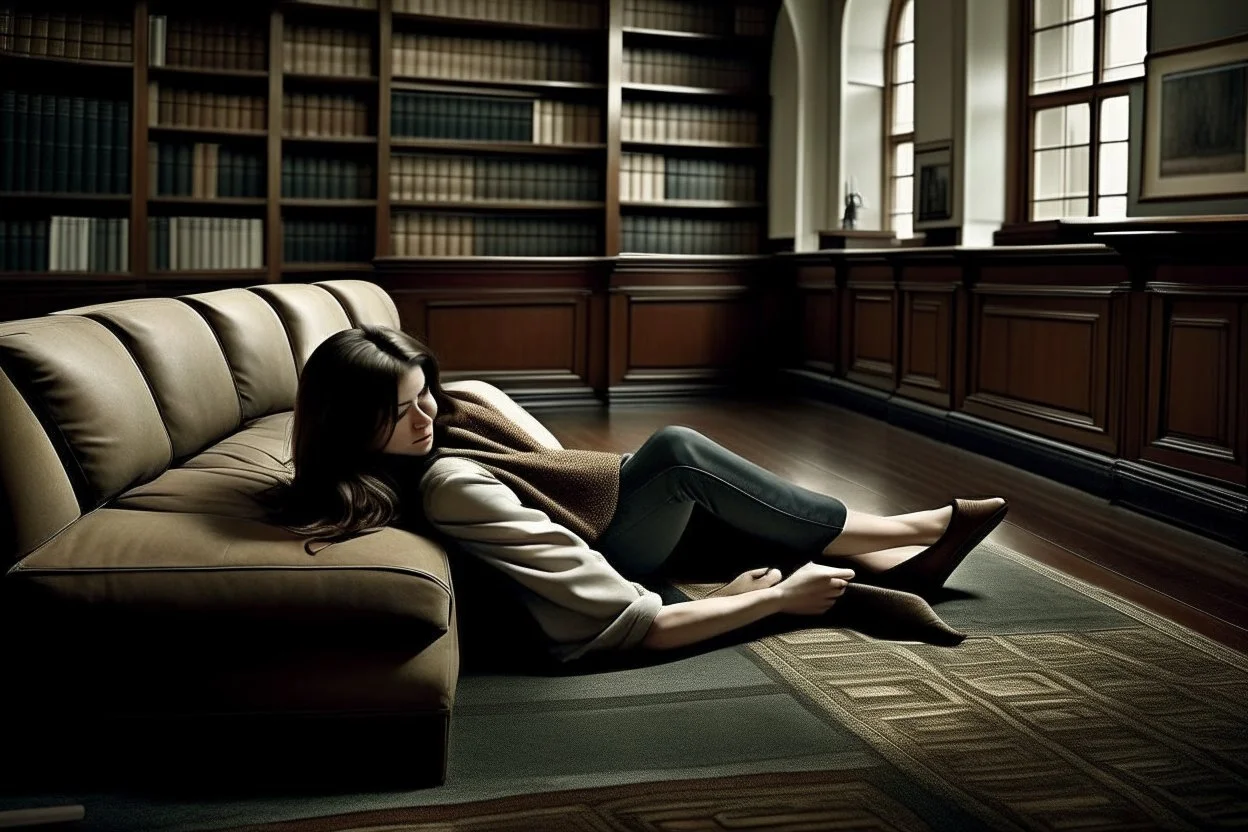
<point x="1081" y="55"/>
<point x="899" y="118"/>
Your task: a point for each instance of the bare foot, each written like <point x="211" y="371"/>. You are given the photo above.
<point x="760" y="578"/>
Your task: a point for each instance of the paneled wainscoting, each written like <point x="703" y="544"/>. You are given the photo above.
<point x="1122" y="376"/>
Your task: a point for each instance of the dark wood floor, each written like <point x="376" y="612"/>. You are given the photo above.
<point x="875" y="467"/>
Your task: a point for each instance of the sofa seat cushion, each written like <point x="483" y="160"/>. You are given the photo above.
<point x="202" y="578"/>
<point x="226" y="478"/>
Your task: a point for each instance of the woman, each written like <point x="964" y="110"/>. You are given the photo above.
<point x="378" y="441"/>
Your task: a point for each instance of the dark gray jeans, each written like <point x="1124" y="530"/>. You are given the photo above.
<point x="678" y="467"/>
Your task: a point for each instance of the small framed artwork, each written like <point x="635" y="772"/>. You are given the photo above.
<point x="1196" y="123"/>
<point x="933" y="184"/>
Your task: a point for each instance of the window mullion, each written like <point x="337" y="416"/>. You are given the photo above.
<point x="1094" y="114"/>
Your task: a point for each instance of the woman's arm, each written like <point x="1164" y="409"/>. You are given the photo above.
<point x="810" y="590"/>
<point x="689" y="622"/>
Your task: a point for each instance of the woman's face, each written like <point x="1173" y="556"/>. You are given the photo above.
<point x="414" y="414"/>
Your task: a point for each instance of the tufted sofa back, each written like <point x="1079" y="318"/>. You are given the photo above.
<point x="99" y="399"/>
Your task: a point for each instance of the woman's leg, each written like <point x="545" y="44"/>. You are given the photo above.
<point x="678" y="467"/>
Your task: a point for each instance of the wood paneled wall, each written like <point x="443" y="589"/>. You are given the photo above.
<point x="1135" y="370"/>
<point x="580" y="330"/>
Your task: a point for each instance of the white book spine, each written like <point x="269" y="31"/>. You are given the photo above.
<point x="84" y="244"/>
<point x="54" y="244"/>
<point x="257" y="244"/>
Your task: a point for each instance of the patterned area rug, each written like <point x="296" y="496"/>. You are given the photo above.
<point x="1141" y="725"/>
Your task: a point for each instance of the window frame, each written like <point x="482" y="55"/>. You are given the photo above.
<point x="891" y="142"/>
<point x="1024" y="106"/>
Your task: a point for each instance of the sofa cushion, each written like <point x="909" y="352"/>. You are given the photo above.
<point x="364" y="302"/>
<point x="256" y="349"/>
<point x="36" y="497"/>
<point x="94" y="399"/>
<point x="183" y="364"/>
<point x="224" y="479"/>
<point x="309" y="313"/>
<point x="195" y="573"/>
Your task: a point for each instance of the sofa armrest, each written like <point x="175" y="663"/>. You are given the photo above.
<point x="184" y="572"/>
<point x="508" y="406"/>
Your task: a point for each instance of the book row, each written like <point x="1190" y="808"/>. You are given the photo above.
<point x="683" y="69"/>
<point x="323" y="178"/>
<point x="23" y="245"/>
<point x="180" y="107"/>
<point x="585" y="14"/>
<point x="89" y="244"/>
<point x="324" y="115"/>
<point x="64" y="144"/>
<point x="657" y="121"/>
<point x="469" y="179"/>
<point x="484" y="118"/>
<point x="204" y="45"/>
<point x="708" y="17"/>
<point x="310" y="241"/>
<point x="688" y="235"/>
<point x="88" y="37"/>
<point x="345" y="4"/>
<point x="415" y="234"/>
<point x="204" y="243"/>
<point x="204" y="170"/>
<point x="464" y="117"/>
<point x="428" y="56"/>
<point x="309" y="50"/>
<point x="648" y="177"/>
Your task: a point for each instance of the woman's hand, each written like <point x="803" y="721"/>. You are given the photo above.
<point x="812" y="589"/>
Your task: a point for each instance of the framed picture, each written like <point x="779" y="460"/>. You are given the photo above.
<point x="1196" y="123"/>
<point x="933" y="184"/>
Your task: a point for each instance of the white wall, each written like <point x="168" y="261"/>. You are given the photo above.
<point x="1178" y="23"/>
<point x="863" y="42"/>
<point x="805" y="103"/>
<point x="985" y="92"/>
<point x="935" y="46"/>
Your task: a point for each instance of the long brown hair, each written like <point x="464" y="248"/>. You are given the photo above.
<point x="344" y="414"/>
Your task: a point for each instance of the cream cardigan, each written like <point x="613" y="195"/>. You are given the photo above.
<point x="577" y="598"/>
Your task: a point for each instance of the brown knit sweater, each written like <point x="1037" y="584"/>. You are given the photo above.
<point x="577" y="489"/>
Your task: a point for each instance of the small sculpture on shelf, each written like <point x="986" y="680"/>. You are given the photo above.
<point x="853" y="201"/>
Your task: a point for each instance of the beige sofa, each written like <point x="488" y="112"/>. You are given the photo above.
<point x="151" y="613"/>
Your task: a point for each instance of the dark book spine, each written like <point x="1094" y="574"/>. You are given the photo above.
<point x="322" y="178"/>
<point x="21" y="136"/>
<point x="91" y="149"/>
<point x="185" y="170"/>
<point x="8" y="140"/>
<point x="121" y="149"/>
<point x="29" y="177"/>
<point x="61" y="183"/>
<point x="107" y="109"/>
<point x="255" y="176"/>
<point x="39" y="245"/>
<point x="25" y="246"/>
<point x="166" y="156"/>
<point x="225" y="173"/>
<point x="77" y="135"/>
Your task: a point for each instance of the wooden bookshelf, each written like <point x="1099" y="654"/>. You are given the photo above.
<point x="425" y="117"/>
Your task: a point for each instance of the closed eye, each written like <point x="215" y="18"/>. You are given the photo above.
<point x="403" y="408"/>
